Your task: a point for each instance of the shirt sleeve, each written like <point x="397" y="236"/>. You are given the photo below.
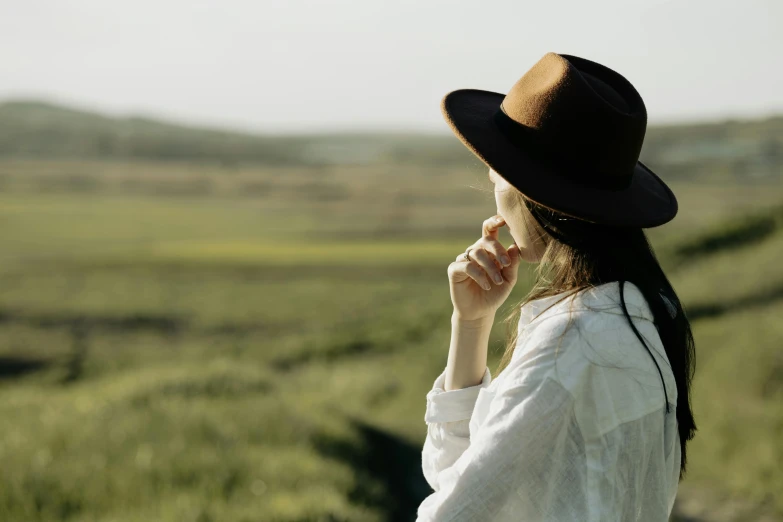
<point x="448" y="416"/>
<point x="523" y="461"/>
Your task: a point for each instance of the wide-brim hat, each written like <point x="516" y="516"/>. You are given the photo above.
<point x="568" y="136"/>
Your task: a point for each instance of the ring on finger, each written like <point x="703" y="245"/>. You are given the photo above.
<point x="466" y="255"/>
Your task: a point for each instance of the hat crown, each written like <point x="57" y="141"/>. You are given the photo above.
<point x="567" y="103"/>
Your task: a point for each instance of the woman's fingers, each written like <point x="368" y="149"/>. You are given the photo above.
<point x="487" y="257"/>
<point x="496" y="249"/>
<point x="487" y="262"/>
<point x="489" y="239"/>
<point x="478" y="275"/>
<point x="461" y="270"/>
<point x="489" y="228"/>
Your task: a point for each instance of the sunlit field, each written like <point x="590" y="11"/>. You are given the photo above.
<point x="209" y="343"/>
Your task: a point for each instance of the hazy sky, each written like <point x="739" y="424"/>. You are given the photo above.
<point x="301" y="65"/>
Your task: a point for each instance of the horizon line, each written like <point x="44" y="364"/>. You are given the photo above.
<point x="380" y="128"/>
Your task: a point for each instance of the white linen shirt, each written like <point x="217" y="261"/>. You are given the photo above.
<point x="573" y="429"/>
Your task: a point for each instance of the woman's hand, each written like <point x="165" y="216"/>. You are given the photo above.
<point x="474" y="292"/>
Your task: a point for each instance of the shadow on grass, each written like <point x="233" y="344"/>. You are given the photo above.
<point x="330" y="354"/>
<point x="717" y="309"/>
<point x="160" y="323"/>
<point x="731" y="234"/>
<point x="13" y="367"/>
<point x="388" y="470"/>
<point x="344" y="346"/>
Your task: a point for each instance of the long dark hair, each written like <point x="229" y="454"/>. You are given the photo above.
<point x="579" y="254"/>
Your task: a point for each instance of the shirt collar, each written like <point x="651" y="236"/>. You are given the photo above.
<point x="603" y="296"/>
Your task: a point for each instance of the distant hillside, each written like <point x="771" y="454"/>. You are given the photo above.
<point x="728" y="150"/>
<point x="745" y="150"/>
<point x="29" y="128"/>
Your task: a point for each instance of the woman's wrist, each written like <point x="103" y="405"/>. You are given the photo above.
<point x="474" y="322"/>
<point x="467" y="358"/>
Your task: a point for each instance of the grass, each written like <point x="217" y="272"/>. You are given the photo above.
<point x="220" y="356"/>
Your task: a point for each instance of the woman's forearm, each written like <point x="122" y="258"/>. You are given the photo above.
<point x="467" y="352"/>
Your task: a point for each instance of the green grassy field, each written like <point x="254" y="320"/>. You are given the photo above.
<point x="258" y="348"/>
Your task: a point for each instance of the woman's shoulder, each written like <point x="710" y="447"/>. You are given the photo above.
<point x="584" y="342"/>
<point x="596" y="310"/>
<point x="599" y="298"/>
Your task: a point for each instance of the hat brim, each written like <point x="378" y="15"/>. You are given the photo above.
<point x="647" y="202"/>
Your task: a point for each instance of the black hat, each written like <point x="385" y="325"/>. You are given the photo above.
<point x="568" y="136"/>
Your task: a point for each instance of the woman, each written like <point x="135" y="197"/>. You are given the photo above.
<point x="589" y="414"/>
